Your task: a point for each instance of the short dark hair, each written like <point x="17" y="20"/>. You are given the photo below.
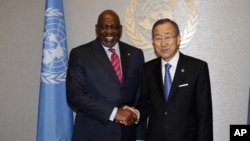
<point x="166" y="20"/>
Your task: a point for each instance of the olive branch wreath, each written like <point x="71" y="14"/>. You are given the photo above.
<point x="50" y="78"/>
<point x="136" y="37"/>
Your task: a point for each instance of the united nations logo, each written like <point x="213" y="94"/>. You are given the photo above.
<point x="55" y="55"/>
<point x="142" y="14"/>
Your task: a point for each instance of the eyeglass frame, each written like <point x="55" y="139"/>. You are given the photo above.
<point x="166" y="38"/>
<point x="105" y="27"/>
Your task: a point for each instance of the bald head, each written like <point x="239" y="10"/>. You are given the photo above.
<point x="106" y="13"/>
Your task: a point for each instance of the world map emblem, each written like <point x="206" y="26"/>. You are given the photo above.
<point x="55" y="55"/>
<point x="142" y="14"/>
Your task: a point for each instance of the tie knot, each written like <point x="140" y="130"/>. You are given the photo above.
<point x="112" y="50"/>
<point x="167" y="66"/>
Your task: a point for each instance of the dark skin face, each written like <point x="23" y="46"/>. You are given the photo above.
<point x="108" y="28"/>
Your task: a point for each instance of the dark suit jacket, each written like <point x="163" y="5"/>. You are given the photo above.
<point x="187" y="115"/>
<point x="93" y="89"/>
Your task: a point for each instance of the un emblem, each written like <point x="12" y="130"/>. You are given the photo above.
<point x="55" y="55"/>
<point x="142" y="14"/>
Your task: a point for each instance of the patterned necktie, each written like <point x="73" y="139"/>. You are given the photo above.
<point x="167" y="81"/>
<point x="115" y="61"/>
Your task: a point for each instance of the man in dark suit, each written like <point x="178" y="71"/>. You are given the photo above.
<point x="185" y="113"/>
<point x="98" y="91"/>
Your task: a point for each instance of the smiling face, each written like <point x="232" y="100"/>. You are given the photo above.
<point x="108" y="28"/>
<point x="165" y="40"/>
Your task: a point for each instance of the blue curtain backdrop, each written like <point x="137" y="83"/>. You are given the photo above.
<point x="55" y="118"/>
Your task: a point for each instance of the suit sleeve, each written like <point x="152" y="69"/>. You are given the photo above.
<point x="144" y="104"/>
<point x="79" y="97"/>
<point x="142" y="126"/>
<point x="204" y="106"/>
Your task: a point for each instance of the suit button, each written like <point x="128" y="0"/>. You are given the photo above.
<point x="165" y="113"/>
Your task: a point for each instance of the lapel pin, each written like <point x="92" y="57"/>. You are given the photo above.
<point x="128" y="54"/>
<point x="182" y="70"/>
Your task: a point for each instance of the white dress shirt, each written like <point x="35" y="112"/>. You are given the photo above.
<point x="173" y="62"/>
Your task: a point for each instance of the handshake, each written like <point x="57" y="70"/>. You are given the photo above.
<point x="126" y="115"/>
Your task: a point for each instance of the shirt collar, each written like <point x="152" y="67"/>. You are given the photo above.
<point x="116" y="47"/>
<point x="173" y="62"/>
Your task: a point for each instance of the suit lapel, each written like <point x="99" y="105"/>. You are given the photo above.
<point x="179" y="75"/>
<point x="158" y="78"/>
<point x="125" y="59"/>
<point x="101" y="55"/>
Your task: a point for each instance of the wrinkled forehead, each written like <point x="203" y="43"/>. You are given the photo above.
<point x="162" y="34"/>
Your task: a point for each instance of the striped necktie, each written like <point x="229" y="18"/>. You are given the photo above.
<point x="115" y="61"/>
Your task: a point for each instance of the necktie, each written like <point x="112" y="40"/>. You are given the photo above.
<point x="167" y="81"/>
<point x="115" y="61"/>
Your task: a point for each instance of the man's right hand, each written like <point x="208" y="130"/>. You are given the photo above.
<point x="125" y="116"/>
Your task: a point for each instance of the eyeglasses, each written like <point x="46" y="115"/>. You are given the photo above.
<point x="105" y="27"/>
<point x="160" y="38"/>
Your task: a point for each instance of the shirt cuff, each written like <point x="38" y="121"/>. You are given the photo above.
<point x="112" y="116"/>
<point x="138" y="117"/>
